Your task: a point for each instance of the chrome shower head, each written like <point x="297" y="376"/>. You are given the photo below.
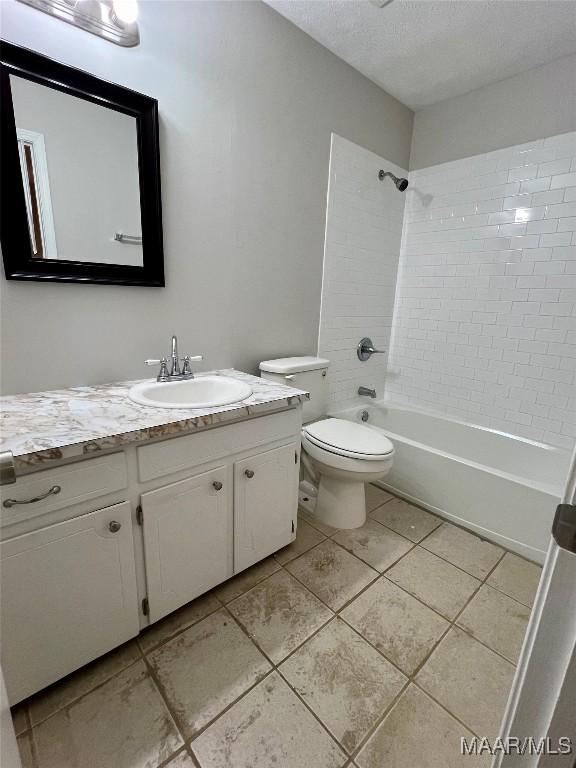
<point x="400" y="184"/>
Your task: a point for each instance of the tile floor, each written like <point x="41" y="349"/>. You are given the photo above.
<point x="376" y="647"/>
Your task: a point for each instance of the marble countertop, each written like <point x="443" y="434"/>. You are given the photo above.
<point x="43" y="428"/>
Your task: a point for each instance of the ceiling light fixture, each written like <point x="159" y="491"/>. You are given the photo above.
<point x="113" y="20"/>
<point x="124" y="11"/>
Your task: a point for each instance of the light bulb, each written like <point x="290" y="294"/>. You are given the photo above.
<point x="125" y="11"/>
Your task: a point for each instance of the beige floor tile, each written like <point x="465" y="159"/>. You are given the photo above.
<point x="279" y="614"/>
<point x="81" y="682"/>
<point x="406" y="519"/>
<point x="344" y="681"/>
<point x="434" y="581"/>
<point x="124" y="723"/>
<point x="376" y="545"/>
<point x="182" y="760"/>
<point x="470" y="680"/>
<point x="397" y="624"/>
<point x="245" y="580"/>
<point x="517" y="578"/>
<point x="376" y="496"/>
<point x="464" y="549"/>
<point x="306" y="538"/>
<point x="418" y="732"/>
<point x="496" y="620"/>
<point x="310" y="518"/>
<point x="206" y="668"/>
<point x="20" y="719"/>
<point x="268" y="727"/>
<point x="334" y="575"/>
<point x="177" y="621"/>
<point x="26" y="751"/>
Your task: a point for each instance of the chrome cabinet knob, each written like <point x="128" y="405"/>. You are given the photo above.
<point x="249" y="473"/>
<point x="217" y="485"/>
<point x="114" y="526"/>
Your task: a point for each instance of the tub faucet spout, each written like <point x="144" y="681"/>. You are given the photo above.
<point x="366" y="392"/>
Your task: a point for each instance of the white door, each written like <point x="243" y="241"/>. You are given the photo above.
<point x="187" y="539"/>
<point x="265" y="504"/>
<point x="542" y="703"/>
<point x="68" y="596"/>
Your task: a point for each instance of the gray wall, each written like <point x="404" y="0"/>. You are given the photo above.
<point x="533" y="105"/>
<point x="247" y="104"/>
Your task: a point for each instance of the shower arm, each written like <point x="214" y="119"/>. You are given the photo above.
<point x="400" y="184"/>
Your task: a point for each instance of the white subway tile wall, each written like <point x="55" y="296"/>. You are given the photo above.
<point x="362" y="247"/>
<point x="485" y="315"/>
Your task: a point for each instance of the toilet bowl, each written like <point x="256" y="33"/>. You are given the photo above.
<point x="343" y="455"/>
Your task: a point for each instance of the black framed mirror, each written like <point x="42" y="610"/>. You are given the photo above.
<point x="80" y="176"/>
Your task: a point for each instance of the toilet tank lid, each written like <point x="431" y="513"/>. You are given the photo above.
<point x="294" y="364"/>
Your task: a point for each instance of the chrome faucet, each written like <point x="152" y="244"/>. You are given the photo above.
<point x="175" y="367"/>
<point x="176" y="373"/>
<point x="366" y="392"/>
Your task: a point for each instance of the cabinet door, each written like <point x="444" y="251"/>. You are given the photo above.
<point x="187" y="539"/>
<point x="265" y="504"/>
<point x="68" y="596"/>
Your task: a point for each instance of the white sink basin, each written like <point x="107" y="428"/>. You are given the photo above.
<point x="201" y="392"/>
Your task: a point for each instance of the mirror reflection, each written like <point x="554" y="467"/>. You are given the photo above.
<point x="79" y="164"/>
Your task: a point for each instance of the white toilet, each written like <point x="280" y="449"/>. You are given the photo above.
<point x="344" y="455"/>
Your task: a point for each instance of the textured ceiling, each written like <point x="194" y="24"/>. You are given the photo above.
<point x="424" y="51"/>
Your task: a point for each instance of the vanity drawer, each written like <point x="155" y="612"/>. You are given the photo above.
<point x="78" y="482"/>
<point x="180" y="453"/>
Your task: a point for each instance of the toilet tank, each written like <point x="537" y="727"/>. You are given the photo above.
<point x="309" y="373"/>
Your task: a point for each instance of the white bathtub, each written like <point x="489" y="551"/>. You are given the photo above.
<point x="502" y="487"/>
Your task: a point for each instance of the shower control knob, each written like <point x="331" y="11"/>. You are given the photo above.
<point x="365" y="349"/>
<point x="249" y="473"/>
<point x="114" y="526"/>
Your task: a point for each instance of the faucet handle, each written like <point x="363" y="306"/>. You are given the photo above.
<point x="163" y="363"/>
<point x="187" y="359"/>
<point x="365" y="349"/>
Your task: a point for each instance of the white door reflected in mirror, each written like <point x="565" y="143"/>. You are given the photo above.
<point x="79" y="163"/>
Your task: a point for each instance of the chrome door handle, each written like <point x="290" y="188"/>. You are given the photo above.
<point x="365" y="349"/>
<point x="54" y="491"/>
<point x="217" y="485"/>
<point x="564" y="527"/>
<point x="249" y="473"/>
<point x="114" y="526"/>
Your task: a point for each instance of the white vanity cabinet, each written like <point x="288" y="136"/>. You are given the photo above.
<point x="68" y="596"/>
<point x="265" y="503"/>
<point x="187" y="539"/>
<point x="93" y="551"/>
<point x="200" y="531"/>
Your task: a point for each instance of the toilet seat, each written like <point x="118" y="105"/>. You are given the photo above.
<point x="345" y="438"/>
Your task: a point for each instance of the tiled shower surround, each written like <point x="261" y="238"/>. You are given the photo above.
<point x="485" y="312"/>
<point x="363" y="233"/>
